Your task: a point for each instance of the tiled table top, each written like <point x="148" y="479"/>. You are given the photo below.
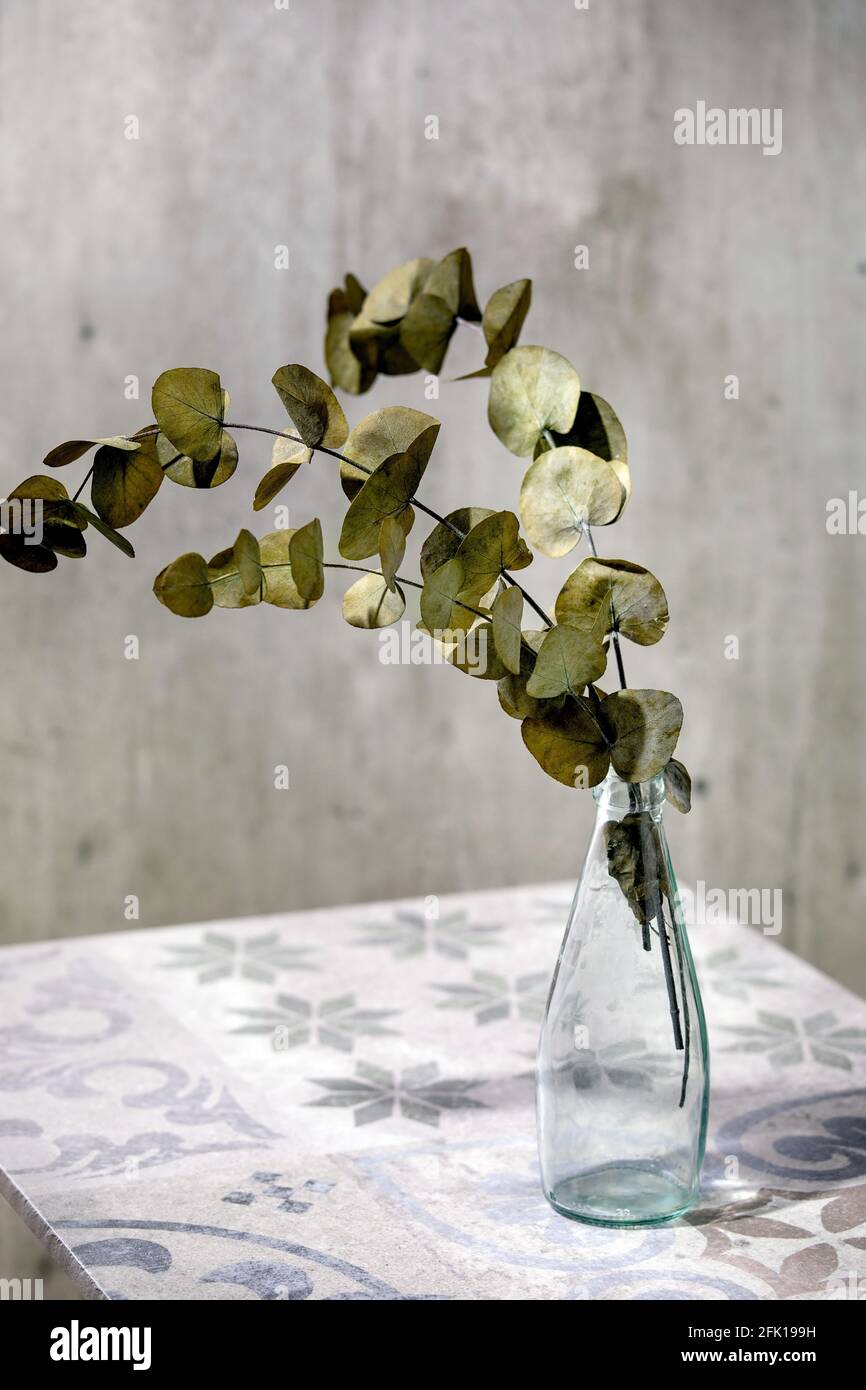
<point x="339" y="1105"/>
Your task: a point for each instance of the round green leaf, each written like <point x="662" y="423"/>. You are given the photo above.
<point x="184" y="588"/>
<point x="512" y="689"/>
<point x="447" y="604"/>
<point x="287" y="457"/>
<point x="493" y="545"/>
<point x="248" y="561"/>
<point x="427" y="330"/>
<point x="388" y="301"/>
<point x="596" y="428"/>
<point x="395" y="430"/>
<point x="507" y="613"/>
<point x="636" y="599"/>
<point x="312" y="406"/>
<point x="370" y="603"/>
<point x="531" y="390"/>
<point x="75" y="448"/>
<point x="569" y="660"/>
<point x="451" y="281"/>
<point x="678" y="786"/>
<point x="474" y="653"/>
<point x="305" y="556"/>
<point x="442" y="543"/>
<point x="189" y="407"/>
<point x="645" y="725"/>
<point x="392" y="548"/>
<point x="352" y="369"/>
<point x="189" y="472"/>
<point x="224" y="576"/>
<point x="387" y="492"/>
<point x="503" y="318"/>
<point x="125" y="483"/>
<point x="36" y="559"/>
<point x="280" y="588"/>
<point x="565" y="490"/>
<point x="569" y="745"/>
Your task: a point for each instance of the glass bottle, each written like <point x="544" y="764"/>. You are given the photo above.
<point x="623" y="1063"/>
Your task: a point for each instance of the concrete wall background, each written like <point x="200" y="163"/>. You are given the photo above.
<point x="306" y="127"/>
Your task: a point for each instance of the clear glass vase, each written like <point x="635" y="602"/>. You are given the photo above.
<point x="623" y="1063"/>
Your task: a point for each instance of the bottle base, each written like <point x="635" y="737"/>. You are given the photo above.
<point x="621" y="1195"/>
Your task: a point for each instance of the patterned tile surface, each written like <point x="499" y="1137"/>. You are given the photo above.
<point x="339" y="1105"/>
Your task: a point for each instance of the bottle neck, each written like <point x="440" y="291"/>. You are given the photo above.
<point x="614" y="796"/>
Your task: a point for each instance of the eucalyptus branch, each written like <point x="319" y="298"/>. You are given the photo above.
<point x="414" y="501"/>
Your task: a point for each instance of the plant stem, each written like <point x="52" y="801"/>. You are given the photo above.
<point x="362" y="569"/>
<point x="617" y="651"/>
<point x="685" y="998"/>
<point x="669" y="979"/>
<point x="85" y="480"/>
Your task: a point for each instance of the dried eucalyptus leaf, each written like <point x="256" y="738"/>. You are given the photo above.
<point x="563" y="491"/>
<point x="279" y="587"/>
<point x="352" y="367"/>
<point x="476" y="655"/>
<point x="104" y="529"/>
<point x="569" y="660"/>
<point x="503" y="319"/>
<point x="493" y="545"/>
<point x="35" y="559"/>
<point x="312" y="406"/>
<point x="388" y="301"/>
<point x="442" y="543"/>
<point x="392" y="548"/>
<point x="678" y="786"/>
<point x="387" y="492"/>
<point x="184" y="588"/>
<point x="507" y="613"/>
<point x="596" y="428"/>
<point x="645" y="726"/>
<point x="427" y="330"/>
<point x="248" y="561"/>
<point x="224" y="575"/>
<point x="75" y="448"/>
<point x="125" y="483"/>
<point x="635" y="860"/>
<point x="61" y="522"/>
<point x="531" y="390"/>
<point x="447" y="603"/>
<point x="371" y="603"/>
<point x="637" y="599"/>
<point x="189" y="472"/>
<point x="306" y="553"/>
<point x="569" y="746"/>
<point x="189" y="407"/>
<point x="287" y="457"/>
<point x="451" y="281"/>
<point x="40" y="488"/>
<point x="354" y="292"/>
<point x="394" y="430"/>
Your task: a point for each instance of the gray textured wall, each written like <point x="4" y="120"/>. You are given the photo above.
<point x="260" y="127"/>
